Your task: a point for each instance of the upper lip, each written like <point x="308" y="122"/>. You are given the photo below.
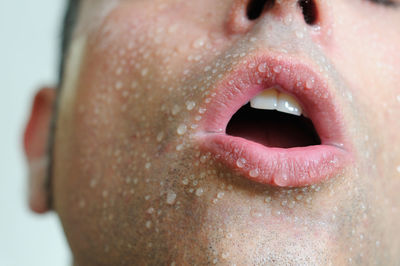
<point x="276" y="166"/>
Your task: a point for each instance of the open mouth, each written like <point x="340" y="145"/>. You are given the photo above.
<point x="275" y="122"/>
<point x="273" y="119"/>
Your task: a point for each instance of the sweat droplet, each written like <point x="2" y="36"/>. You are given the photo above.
<point x="310" y="83"/>
<point x="119" y="85"/>
<point x="160" y="136"/>
<point x="190" y="105"/>
<point x="240" y="162"/>
<point x="175" y="110"/>
<point x="291" y="204"/>
<point x="199" y="43"/>
<point x="148" y="224"/>
<point x="277" y="69"/>
<point x="93" y="183"/>
<point x="203" y="158"/>
<point x="118" y="71"/>
<point x="288" y="19"/>
<point x="263" y="67"/>
<point x="199" y="192"/>
<point x="256" y="213"/>
<point x="145" y="71"/>
<point x="299" y="34"/>
<point x="254" y="173"/>
<point x="171" y="197"/>
<point x="181" y="129"/>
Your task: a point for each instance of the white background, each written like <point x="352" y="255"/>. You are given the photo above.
<point x="29" y="39"/>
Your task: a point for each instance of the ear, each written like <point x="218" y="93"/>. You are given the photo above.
<point x="36" y="137"/>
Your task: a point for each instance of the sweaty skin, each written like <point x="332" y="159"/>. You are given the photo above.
<point x="131" y="185"/>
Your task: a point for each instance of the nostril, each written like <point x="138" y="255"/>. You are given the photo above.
<point x="256" y="7"/>
<point x="309" y="11"/>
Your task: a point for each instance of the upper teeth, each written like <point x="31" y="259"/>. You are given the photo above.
<point x="272" y="99"/>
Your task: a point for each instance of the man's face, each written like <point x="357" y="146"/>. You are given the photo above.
<point x="145" y="174"/>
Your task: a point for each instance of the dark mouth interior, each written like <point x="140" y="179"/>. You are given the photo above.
<point x="272" y="128"/>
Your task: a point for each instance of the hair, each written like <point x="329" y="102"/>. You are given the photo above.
<point x="68" y="26"/>
<point x="67" y="30"/>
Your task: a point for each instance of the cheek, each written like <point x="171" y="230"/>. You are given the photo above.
<point x="367" y="42"/>
<point x="125" y="127"/>
<point x="137" y="85"/>
<point x="366" y="54"/>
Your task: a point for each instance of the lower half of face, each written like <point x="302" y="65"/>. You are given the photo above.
<point x="159" y="158"/>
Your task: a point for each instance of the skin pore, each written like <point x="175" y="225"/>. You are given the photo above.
<point x="132" y="186"/>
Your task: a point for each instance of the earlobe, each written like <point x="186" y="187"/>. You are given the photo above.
<point x="36" y="139"/>
<point x="38" y="191"/>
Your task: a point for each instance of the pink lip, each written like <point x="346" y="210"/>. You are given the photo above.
<point x="291" y="167"/>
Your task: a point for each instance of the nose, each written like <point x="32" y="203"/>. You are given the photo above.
<point x="245" y="13"/>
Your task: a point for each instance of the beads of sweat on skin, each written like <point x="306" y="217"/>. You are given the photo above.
<point x="301" y="199"/>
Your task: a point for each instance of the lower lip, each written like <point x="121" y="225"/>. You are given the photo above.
<point x="293" y="167"/>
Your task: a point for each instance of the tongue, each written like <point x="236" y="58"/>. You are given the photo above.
<point x="272" y="128"/>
